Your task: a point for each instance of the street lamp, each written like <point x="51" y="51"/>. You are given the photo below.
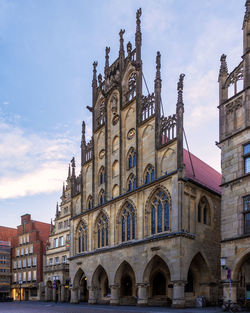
<point x="20" y="285"/>
<point x="225" y="267"/>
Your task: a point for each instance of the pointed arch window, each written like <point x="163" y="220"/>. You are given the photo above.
<point x="204" y="211"/>
<point x="131" y="158"/>
<point x="131" y="87"/>
<point x="101" y="175"/>
<point x="102" y="231"/>
<point x="149" y="174"/>
<point x="131" y="184"/>
<point x="101" y="197"/>
<point x="160" y="213"/>
<point x="89" y="203"/>
<point x="128" y="222"/>
<point x="82" y="236"/>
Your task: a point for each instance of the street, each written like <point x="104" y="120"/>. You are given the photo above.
<point x="41" y="307"/>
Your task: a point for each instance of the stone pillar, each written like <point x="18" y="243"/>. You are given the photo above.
<point x="178" y="294"/>
<point x="54" y="294"/>
<point x="62" y="296"/>
<point x="74" y="296"/>
<point x="46" y="294"/>
<point x="142" y="294"/>
<point x="205" y="291"/>
<point x="92" y="295"/>
<point x="114" y="295"/>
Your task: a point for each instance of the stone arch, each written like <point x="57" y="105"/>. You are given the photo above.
<point x="204" y="210"/>
<point x="100" y="139"/>
<point x="100" y="282"/>
<point x="146" y="130"/>
<point x="125" y="81"/>
<point x="80" y="288"/>
<point x="238" y="262"/>
<point x="115" y="144"/>
<point x="130" y="111"/>
<point x="115" y="168"/>
<point x="168" y="161"/>
<point x="115" y="191"/>
<point x="125" y="278"/>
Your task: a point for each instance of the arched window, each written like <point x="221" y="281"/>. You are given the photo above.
<point x="149" y="174"/>
<point x="204" y="211"/>
<point x="128" y="222"/>
<point x="101" y="197"/>
<point x="89" y="203"/>
<point x="131" y="158"/>
<point x="160" y="213"/>
<point x="82" y="237"/>
<point x="131" y="184"/>
<point x="115" y="168"/>
<point x="101" y="175"/>
<point x="115" y="145"/>
<point x="102" y="231"/>
<point x="115" y="191"/>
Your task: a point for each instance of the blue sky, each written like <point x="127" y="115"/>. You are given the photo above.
<point x="47" y="48"/>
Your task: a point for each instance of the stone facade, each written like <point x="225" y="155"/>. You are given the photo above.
<point x="235" y="162"/>
<point x="56" y="266"/>
<point x="145" y="213"/>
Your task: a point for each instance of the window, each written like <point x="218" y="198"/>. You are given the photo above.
<point x="89" y="203"/>
<point x="66" y="223"/>
<point x="19" y="276"/>
<point x="24" y="239"/>
<point x="21" y="240"/>
<point x="68" y="238"/>
<point x="246" y="152"/>
<point x="61" y="241"/>
<point x="27" y="250"/>
<point x="31" y="249"/>
<point x="66" y="210"/>
<point x="56" y="243"/>
<point x="246" y="209"/>
<point x="33" y="291"/>
<point x="131" y="184"/>
<point x="131" y="158"/>
<point x="24" y="276"/>
<point x="64" y="259"/>
<point x="102" y="231"/>
<point x="19" y="264"/>
<point x="29" y="262"/>
<point x="115" y="168"/>
<point x="34" y="261"/>
<point x="34" y="275"/>
<point x="15" y="277"/>
<point x="57" y="260"/>
<point x="131" y="87"/>
<point x="17" y="252"/>
<point x="15" y="265"/>
<point x="29" y="275"/>
<point x="101" y="175"/>
<point x="128" y="222"/>
<point x="159" y="213"/>
<point x="24" y="263"/>
<point x="22" y="251"/>
<point x="50" y="261"/>
<point x="27" y="238"/>
<point x="82" y="237"/>
<point x="101" y="197"/>
<point x="204" y="211"/>
<point x="149" y="175"/>
<point x="115" y="145"/>
<point x="60" y="225"/>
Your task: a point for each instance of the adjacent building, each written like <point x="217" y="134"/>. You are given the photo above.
<point x="28" y="248"/>
<point x="6" y="235"/>
<point x="234" y="110"/>
<point x="56" y="267"/>
<point x="145" y="212"/>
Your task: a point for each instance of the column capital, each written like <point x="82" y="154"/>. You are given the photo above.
<point x="179" y="282"/>
<point x="143" y="285"/>
<point x="115" y="286"/>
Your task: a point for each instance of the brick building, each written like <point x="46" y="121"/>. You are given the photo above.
<point x="6" y="235"/>
<point x="28" y="248"/>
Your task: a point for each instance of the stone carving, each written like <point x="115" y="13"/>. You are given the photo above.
<point x="234" y="105"/>
<point x="114" y="103"/>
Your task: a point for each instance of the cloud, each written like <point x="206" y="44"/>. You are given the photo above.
<point x="32" y="163"/>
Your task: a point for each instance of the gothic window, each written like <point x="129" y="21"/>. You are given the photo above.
<point x="101" y="117"/>
<point x="160" y="219"/>
<point x="204" y="211"/>
<point x="131" y="184"/>
<point x="89" y="203"/>
<point x="246" y="158"/>
<point x="101" y="175"/>
<point x="128" y="222"/>
<point x="149" y="174"/>
<point x="115" y="145"/>
<point x="115" y="191"/>
<point x="102" y="231"/>
<point x="131" y="158"/>
<point x="82" y="237"/>
<point x="246" y="209"/>
<point x="131" y="86"/>
<point x="101" y="197"/>
<point x="115" y="169"/>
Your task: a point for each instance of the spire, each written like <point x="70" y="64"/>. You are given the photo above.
<point x="94" y="86"/>
<point x="83" y="133"/>
<point x="69" y="174"/>
<point x="73" y="165"/>
<point x="121" y="51"/>
<point x="129" y="49"/>
<point x="138" y="35"/>
<point x="107" y="50"/>
<point x="63" y="190"/>
<point x="51" y="225"/>
<point x="180" y="104"/>
<point x="83" y="144"/>
<point x="158" y="85"/>
<point x="223" y="66"/>
<point x="247" y="13"/>
<point x="57" y="210"/>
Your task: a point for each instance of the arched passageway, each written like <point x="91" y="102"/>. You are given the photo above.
<point x="125" y="278"/>
<point x="241" y="279"/>
<point x="157" y="277"/>
<point x="80" y="288"/>
<point x="48" y="291"/>
<point x="100" y="283"/>
<point x="198" y="280"/>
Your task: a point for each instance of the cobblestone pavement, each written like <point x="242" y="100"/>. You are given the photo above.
<point x="41" y="307"/>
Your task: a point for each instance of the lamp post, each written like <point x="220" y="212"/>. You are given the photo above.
<point x="20" y="287"/>
<point x="225" y="267"/>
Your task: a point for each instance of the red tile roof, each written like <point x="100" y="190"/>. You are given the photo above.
<point x="203" y="173"/>
<point x="7" y="233"/>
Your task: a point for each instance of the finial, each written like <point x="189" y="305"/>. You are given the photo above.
<point x="107" y="50"/>
<point x="223" y="66"/>
<point x="57" y="210"/>
<point x="138" y="36"/>
<point x="63" y="191"/>
<point x="121" y="33"/>
<point x="129" y="48"/>
<point x="247" y="13"/>
<point x="158" y="65"/>
<point x="138" y="20"/>
<point x="73" y="165"/>
<point x="83" y="133"/>
<point x="180" y="91"/>
<point x="94" y="82"/>
<point x="100" y="80"/>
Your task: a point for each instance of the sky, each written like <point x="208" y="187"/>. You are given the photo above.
<point x="47" y="48"/>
